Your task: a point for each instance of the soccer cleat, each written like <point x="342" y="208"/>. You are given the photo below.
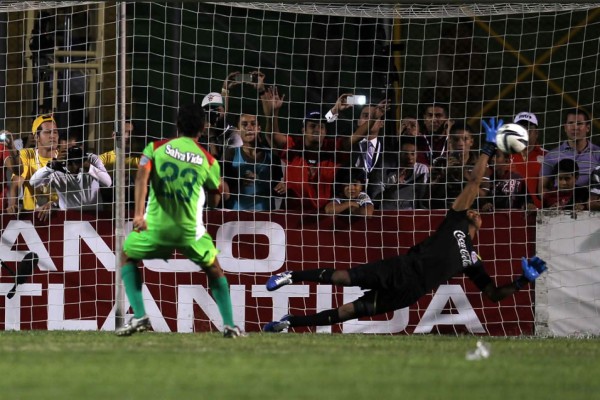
<point x="278" y="326"/>
<point x="232" y="332"/>
<point x="279" y="280"/>
<point x="134" y="325"/>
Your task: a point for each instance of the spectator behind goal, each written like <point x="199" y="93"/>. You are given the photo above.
<point x="350" y="197"/>
<point x="76" y="180"/>
<point x="566" y="194"/>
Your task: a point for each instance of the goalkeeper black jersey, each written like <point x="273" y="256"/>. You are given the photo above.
<point x="447" y="253"/>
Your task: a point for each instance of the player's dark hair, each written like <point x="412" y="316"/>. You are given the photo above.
<point x="566" y="166"/>
<point x="190" y="120"/>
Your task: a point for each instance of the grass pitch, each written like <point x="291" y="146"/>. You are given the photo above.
<point x="99" y="365"/>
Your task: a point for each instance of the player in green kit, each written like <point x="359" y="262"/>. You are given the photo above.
<point x="178" y="169"/>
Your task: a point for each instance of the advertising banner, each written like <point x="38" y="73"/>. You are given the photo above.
<point x="73" y="286"/>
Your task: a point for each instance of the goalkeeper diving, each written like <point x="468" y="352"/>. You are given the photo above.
<point x="400" y="281"/>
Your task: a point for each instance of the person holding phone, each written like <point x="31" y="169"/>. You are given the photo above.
<point x="76" y="179"/>
<point x="366" y="142"/>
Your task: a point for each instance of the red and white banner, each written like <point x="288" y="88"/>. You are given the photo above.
<point x="73" y="288"/>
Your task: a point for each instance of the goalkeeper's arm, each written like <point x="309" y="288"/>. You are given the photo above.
<point x="532" y="269"/>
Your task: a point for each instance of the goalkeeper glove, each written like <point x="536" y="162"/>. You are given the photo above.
<point x="532" y="269"/>
<point x="489" y="147"/>
<point x="538" y="264"/>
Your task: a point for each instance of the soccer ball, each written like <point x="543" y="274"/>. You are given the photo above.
<point x="512" y="138"/>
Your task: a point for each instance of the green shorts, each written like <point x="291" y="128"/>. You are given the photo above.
<point x="144" y="246"/>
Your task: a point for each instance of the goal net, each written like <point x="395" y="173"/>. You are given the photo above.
<point x="428" y="75"/>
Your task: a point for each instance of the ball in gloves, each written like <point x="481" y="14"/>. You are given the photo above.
<point x="512" y="138"/>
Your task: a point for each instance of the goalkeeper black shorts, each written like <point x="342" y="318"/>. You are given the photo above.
<point x="393" y="284"/>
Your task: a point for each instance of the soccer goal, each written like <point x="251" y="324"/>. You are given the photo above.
<point x="99" y="65"/>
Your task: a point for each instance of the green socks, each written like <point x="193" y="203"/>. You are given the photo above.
<point x="132" y="279"/>
<point x="220" y="292"/>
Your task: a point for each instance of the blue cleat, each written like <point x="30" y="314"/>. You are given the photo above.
<point x="278" y="326"/>
<point x="279" y="280"/>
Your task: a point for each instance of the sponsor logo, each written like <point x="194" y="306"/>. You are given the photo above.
<point x="187" y="156"/>
<point x="461" y="237"/>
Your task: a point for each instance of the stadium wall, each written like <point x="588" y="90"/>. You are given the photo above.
<point x="567" y="296"/>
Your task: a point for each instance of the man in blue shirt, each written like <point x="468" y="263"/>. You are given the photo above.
<point x="577" y="147"/>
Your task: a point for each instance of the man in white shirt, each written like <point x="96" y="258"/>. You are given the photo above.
<point x="77" y="180"/>
<point x="402" y="184"/>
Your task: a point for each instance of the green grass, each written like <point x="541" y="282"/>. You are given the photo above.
<point x="98" y="365"/>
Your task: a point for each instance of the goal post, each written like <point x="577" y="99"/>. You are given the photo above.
<point x="483" y="60"/>
<point x="99" y="65"/>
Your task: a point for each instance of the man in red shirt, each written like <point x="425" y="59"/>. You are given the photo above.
<point x="528" y="163"/>
<point x="311" y="163"/>
<point x="311" y="159"/>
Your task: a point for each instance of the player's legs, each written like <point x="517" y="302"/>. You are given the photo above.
<point x="362" y="307"/>
<point x="328" y="317"/>
<point x="220" y="291"/>
<point x="321" y="275"/>
<point x="137" y="246"/>
<point x="132" y="280"/>
<point x="373" y="302"/>
<point x="393" y="288"/>
<point x="204" y="253"/>
<point x="374" y="275"/>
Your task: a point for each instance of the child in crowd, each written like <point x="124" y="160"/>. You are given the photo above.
<point x="566" y="195"/>
<point x="507" y="189"/>
<point x="350" y="196"/>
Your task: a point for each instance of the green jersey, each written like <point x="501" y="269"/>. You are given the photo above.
<point x="180" y="170"/>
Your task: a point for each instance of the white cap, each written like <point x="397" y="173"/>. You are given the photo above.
<point x="213" y="98"/>
<point x="527" y="117"/>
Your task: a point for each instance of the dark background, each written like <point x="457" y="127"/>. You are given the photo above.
<point x="180" y="52"/>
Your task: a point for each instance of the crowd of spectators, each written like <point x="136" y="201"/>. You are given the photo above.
<point x="424" y="164"/>
<point x="52" y="170"/>
<point x="323" y="167"/>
